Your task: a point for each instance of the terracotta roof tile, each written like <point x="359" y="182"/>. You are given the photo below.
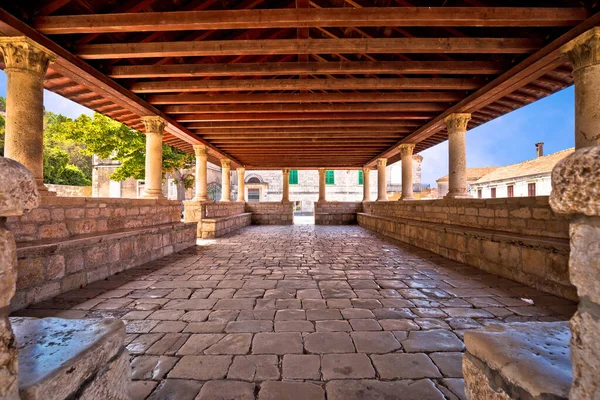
<point x="472" y="173"/>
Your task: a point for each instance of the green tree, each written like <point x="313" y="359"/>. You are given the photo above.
<point x="108" y="138"/>
<point x="2" y="130"/>
<point x="57" y="169"/>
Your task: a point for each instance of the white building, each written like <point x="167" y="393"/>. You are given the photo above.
<point x="529" y="178"/>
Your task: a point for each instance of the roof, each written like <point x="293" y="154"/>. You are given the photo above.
<point x="472" y="173"/>
<point x="537" y="166"/>
<point x="302" y="84"/>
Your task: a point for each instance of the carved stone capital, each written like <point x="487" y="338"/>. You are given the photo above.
<point x="22" y="53"/>
<point x="225" y="163"/>
<point x="322" y="171"/>
<point x="417" y="158"/>
<point x="241" y="170"/>
<point x="286" y="171"/>
<point x="406" y="150"/>
<point x="381" y="162"/>
<point x="584" y="50"/>
<point x="457" y="122"/>
<point x="154" y="124"/>
<point x="366" y="170"/>
<point x="200" y="150"/>
<point x="576" y="183"/>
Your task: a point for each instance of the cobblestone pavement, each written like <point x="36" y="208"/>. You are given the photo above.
<point x="302" y="312"/>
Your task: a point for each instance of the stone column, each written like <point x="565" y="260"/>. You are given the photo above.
<point x="26" y="65"/>
<point x="201" y="172"/>
<point x="366" y="184"/>
<point x="241" y="197"/>
<point x="576" y="191"/>
<point x="285" y="197"/>
<point x="18" y="194"/>
<point x="406" y="151"/>
<point x="322" y="187"/>
<point x="457" y="155"/>
<point x="225" y="179"/>
<point x="155" y="127"/>
<point x="381" y="182"/>
<point x="584" y="53"/>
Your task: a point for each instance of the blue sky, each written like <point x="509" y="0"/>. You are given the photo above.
<point x="506" y="140"/>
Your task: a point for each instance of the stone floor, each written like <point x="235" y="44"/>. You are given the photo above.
<point x="302" y="312"/>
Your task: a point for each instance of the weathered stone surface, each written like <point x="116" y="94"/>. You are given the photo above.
<point x="112" y="382"/>
<point x="585" y="353"/>
<point x="584" y="267"/>
<point x="226" y="390"/>
<point x="254" y="368"/>
<point x="57" y="356"/>
<point x="301" y="366"/>
<point x="176" y="389"/>
<point x="378" y="390"/>
<point x="277" y="343"/>
<point x="405" y="366"/>
<point x="576" y="183"/>
<point x="375" y="342"/>
<point x="346" y="366"/>
<point x="202" y="368"/>
<point x="328" y="342"/>
<point x="18" y="189"/>
<point x="433" y="340"/>
<point x="290" y="391"/>
<point x="532" y="357"/>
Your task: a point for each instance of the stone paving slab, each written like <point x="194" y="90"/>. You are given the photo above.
<point x="301" y="312"/>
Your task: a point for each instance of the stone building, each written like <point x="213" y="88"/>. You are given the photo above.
<point x="473" y="175"/>
<point x="341" y="185"/>
<point x="528" y="178"/>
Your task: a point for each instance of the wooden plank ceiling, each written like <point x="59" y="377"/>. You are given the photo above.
<point x="303" y="83"/>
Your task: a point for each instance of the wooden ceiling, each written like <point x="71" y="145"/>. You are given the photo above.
<point x="303" y="84"/>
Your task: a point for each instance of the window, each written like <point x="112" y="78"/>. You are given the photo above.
<point x="480" y="193"/>
<point x="510" y="190"/>
<point x="329" y="177"/>
<point x="493" y="190"/>
<point x="293" y="177"/>
<point x="360" y="178"/>
<point x="253" y="180"/>
<point x="531" y="189"/>
<point x="253" y="195"/>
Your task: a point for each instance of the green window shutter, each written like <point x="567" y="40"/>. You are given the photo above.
<point x="360" y="178"/>
<point x="329" y="177"/>
<point x="293" y="177"/>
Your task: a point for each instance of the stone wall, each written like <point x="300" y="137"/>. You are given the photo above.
<point x="498" y="236"/>
<point x="70" y="191"/>
<point x="523" y="215"/>
<point x="337" y="212"/>
<point x="68" y="243"/>
<point x="271" y="213"/>
<point x="216" y="219"/>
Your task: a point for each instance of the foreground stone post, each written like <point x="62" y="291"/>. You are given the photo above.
<point x="457" y="155"/>
<point x="322" y="187"/>
<point x="576" y="191"/>
<point x="381" y="182"/>
<point x="241" y="197"/>
<point x="201" y="172"/>
<point x="406" y="151"/>
<point x="18" y="194"/>
<point x="225" y="179"/>
<point x="584" y="53"/>
<point x="285" y="196"/>
<point x="26" y="65"/>
<point x="155" y="127"/>
<point x="366" y="184"/>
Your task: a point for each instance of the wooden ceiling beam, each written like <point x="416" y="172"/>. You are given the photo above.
<point x="308" y="46"/>
<point x="359" y="124"/>
<point x="301" y="108"/>
<point x="299" y="18"/>
<point x="397" y="97"/>
<point x="306" y="84"/>
<point x="334" y="68"/>
<point x="301" y="117"/>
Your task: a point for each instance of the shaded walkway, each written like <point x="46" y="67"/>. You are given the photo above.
<point x="286" y="309"/>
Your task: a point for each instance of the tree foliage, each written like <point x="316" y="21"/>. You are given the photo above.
<point x="2" y="130"/>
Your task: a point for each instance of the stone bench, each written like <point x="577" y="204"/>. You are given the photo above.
<point x="518" y="361"/>
<point x="210" y="228"/>
<point x="67" y="358"/>
<point x="47" y="268"/>
<point x="337" y="212"/>
<point x="536" y="261"/>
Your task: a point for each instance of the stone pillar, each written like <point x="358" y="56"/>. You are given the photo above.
<point x="406" y="151"/>
<point x="155" y="127"/>
<point x="576" y="191"/>
<point x="322" y="187"/>
<point x="201" y="172"/>
<point x="381" y="182"/>
<point x="18" y="194"/>
<point x="225" y="179"/>
<point x="285" y="197"/>
<point x="241" y="197"/>
<point x="26" y="65"/>
<point x="457" y="155"/>
<point x="366" y="184"/>
<point x="584" y="53"/>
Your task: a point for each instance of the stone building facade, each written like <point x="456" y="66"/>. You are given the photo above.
<point x="473" y="175"/>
